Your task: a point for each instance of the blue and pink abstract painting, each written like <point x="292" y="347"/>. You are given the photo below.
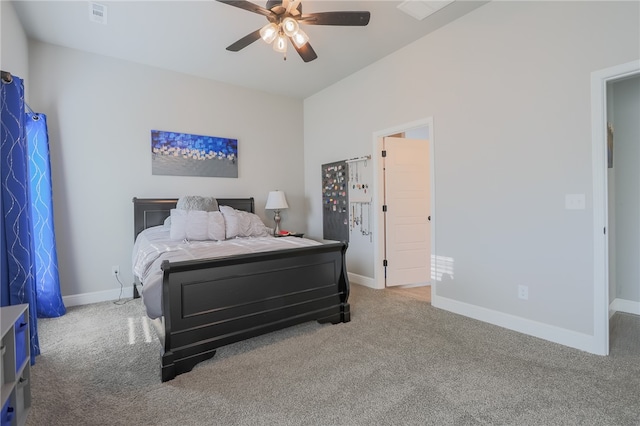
<point x="183" y="154"/>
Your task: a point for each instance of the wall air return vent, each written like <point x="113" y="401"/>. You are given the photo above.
<point x="98" y="13"/>
<point x="420" y="9"/>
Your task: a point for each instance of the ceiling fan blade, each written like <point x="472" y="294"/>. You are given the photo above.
<point x="251" y="7"/>
<point x="346" y="18"/>
<point x="244" y="41"/>
<point x="306" y="52"/>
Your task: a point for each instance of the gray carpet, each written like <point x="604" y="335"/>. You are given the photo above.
<point x="399" y="361"/>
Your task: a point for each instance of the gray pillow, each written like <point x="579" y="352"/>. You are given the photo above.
<point x="195" y="202"/>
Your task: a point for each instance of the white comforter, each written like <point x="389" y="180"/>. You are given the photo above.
<point x="153" y="246"/>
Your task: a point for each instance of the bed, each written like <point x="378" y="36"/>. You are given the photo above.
<point x="212" y="302"/>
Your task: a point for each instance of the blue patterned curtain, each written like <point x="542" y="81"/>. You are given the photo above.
<point x="17" y="244"/>
<point x="49" y="300"/>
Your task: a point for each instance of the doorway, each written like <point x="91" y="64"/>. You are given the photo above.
<point x="421" y="129"/>
<point x="600" y="82"/>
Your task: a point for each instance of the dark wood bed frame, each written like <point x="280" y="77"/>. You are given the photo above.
<point x="214" y="302"/>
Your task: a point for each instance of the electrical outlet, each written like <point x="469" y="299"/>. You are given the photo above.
<point x="574" y="201"/>
<point x="523" y="292"/>
<point x="115" y="270"/>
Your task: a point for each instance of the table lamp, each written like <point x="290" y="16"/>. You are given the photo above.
<point x="276" y="201"/>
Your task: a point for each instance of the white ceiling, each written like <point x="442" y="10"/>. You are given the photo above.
<point x="191" y="37"/>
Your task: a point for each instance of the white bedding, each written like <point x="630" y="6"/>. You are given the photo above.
<point x="153" y="246"/>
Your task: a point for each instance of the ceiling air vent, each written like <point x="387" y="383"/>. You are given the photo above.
<point x="98" y="13"/>
<point x="420" y="9"/>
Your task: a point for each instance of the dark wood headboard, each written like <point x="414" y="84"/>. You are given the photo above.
<point x="148" y="212"/>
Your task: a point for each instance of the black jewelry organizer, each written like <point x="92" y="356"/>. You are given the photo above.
<point x="335" y="201"/>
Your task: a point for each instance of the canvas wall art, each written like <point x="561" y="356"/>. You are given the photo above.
<point x="183" y="154"/>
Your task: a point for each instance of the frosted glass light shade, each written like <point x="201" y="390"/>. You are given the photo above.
<point x="280" y="44"/>
<point x="269" y="32"/>
<point x="276" y="201"/>
<point x="290" y="26"/>
<point x="300" y="38"/>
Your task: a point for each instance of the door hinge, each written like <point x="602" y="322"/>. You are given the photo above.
<point x="384" y="263"/>
<point x="384" y="208"/>
<point x="605" y="230"/>
<point x="384" y="153"/>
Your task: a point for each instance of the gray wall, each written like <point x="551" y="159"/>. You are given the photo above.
<point x="13" y="44"/>
<point x="508" y="87"/>
<point x="100" y="112"/>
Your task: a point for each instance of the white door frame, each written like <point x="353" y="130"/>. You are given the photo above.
<point x="378" y="195"/>
<point x="599" y="80"/>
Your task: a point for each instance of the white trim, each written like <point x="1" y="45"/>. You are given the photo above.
<point x="378" y="223"/>
<point x="378" y="269"/>
<point x="98" y="296"/>
<point x="599" y="80"/>
<point x="624" y="305"/>
<point x="424" y="284"/>
<point x="540" y="330"/>
<point x="361" y="279"/>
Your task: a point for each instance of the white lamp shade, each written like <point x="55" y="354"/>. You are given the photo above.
<point x="276" y="201"/>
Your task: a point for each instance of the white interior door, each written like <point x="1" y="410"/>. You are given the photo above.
<point x="408" y="210"/>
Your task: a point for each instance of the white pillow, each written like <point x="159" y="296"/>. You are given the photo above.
<point x="230" y="221"/>
<point x="197" y="225"/>
<point x="195" y="202"/>
<point x="189" y="224"/>
<point x="216" y="228"/>
<point x="239" y="223"/>
<point x="178" y="229"/>
<point x="250" y="225"/>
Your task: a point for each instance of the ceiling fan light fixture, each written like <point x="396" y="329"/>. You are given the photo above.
<point x="280" y="44"/>
<point x="300" y="38"/>
<point x="290" y="26"/>
<point x="285" y="18"/>
<point x="269" y="32"/>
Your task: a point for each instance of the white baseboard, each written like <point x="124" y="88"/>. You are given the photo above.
<point x="624" y="305"/>
<point x="98" y="296"/>
<point x="362" y="280"/>
<point x="423" y="284"/>
<point x="574" y="339"/>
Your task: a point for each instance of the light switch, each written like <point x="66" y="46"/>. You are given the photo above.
<point x="574" y="201"/>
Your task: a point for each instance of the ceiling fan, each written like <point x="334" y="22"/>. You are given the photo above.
<point x="285" y="17"/>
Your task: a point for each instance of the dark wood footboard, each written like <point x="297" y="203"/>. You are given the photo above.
<point x="212" y="303"/>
